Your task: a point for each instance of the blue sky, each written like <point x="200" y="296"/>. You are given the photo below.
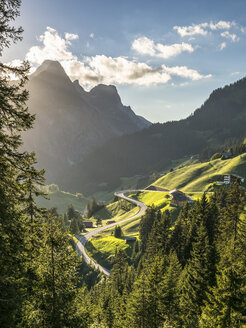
<point x="165" y="57"/>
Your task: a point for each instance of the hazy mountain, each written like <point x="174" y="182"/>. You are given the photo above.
<point x="71" y="122"/>
<point x="221" y="117"/>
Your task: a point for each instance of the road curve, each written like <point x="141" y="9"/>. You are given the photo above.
<point x="82" y="240"/>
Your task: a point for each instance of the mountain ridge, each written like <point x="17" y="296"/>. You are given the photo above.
<point x="222" y="117"/>
<point x="71" y="122"/>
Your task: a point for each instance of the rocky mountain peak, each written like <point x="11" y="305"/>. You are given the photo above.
<point x="51" y="67"/>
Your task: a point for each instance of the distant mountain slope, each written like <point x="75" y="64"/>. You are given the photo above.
<point x="198" y="177"/>
<point x="71" y="122"/>
<point x="221" y="117"/>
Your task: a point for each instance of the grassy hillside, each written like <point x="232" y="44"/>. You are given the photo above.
<point x="198" y="177"/>
<point x="102" y="249"/>
<point x="61" y="199"/>
<point x="116" y="212"/>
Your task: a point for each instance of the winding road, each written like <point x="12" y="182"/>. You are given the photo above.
<point x="82" y="240"/>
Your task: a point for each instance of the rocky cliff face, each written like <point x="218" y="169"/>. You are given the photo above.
<point x="71" y="122"/>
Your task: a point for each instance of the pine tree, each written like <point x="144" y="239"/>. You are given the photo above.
<point x="145" y="227"/>
<point x="169" y="292"/>
<point x="74" y="228"/>
<point x="159" y="236"/>
<point x="53" y="300"/>
<point x="119" y="272"/>
<point x="137" y="309"/>
<point x="227" y="299"/>
<point x="118" y="232"/>
<point x="71" y="213"/>
<point x="14" y="170"/>
<point x="195" y="280"/>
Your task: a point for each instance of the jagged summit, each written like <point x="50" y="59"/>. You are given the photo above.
<point x="50" y="66"/>
<point x="103" y="88"/>
<point x="79" y="88"/>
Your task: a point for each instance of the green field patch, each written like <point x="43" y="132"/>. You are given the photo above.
<point x="102" y="249"/>
<point x="61" y="200"/>
<point x="116" y="212"/>
<point x="129" y="228"/>
<point x="161" y="200"/>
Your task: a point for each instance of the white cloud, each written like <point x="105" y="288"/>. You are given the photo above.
<point x="54" y="47"/>
<point x="119" y="70"/>
<point x="167" y="51"/>
<point x="191" y="30"/>
<point x="221" y="25"/>
<point x="92" y="35"/>
<point x="235" y="73"/>
<point x="70" y="36"/>
<point x="146" y="46"/>
<point x="230" y="36"/>
<point x="203" y="28"/>
<point x="185" y="72"/>
<point x="109" y="70"/>
<point x="222" y="46"/>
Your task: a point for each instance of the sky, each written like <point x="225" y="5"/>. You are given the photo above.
<point x="165" y="57"/>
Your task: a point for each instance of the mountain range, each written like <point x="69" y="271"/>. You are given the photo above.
<point x="220" y="119"/>
<point x="87" y="141"/>
<point x="70" y="122"/>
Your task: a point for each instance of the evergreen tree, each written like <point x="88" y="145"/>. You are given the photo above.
<point x="169" y="292"/>
<point x="145" y="227"/>
<point x="53" y="301"/>
<point x="99" y="221"/>
<point x="137" y="309"/>
<point x="159" y="237"/>
<point x="119" y="272"/>
<point x="227" y="299"/>
<point x="16" y="169"/>
<point x="118" y="232"/>
<point x="71" y="213"/>
<point x="195" y="280"/>
<point x="74" y="227"/>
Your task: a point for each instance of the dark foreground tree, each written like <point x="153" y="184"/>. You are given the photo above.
<point x="14" y="119"/>
<point x="53" y="301"/>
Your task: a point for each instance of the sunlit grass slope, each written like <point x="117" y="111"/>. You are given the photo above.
<point x="161" y="200"/>
<point x="116" y="212"/>
<point x="62" y="200"/>
<point x="198" y="177"/>
<point x="129" y="228"/>
<point x="103" y="248"/>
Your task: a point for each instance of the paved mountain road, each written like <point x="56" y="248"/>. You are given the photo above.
<point x="80" y="247"/>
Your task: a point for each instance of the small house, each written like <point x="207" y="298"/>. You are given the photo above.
<point x="110" y="222"/>
<point x="230" y="179"/>
<point x="226" y="155"/>
<point x="88" y="224"/>
<point x="129" y="240"/>
<point x="179" y="198"/>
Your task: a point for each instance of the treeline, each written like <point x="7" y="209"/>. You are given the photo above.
<point x="192" y="274"/>
<point x="93" y="207"/>
<point x="235" y="146"/>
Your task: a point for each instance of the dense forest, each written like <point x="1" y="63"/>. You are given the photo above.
<point x="187" y="273"/>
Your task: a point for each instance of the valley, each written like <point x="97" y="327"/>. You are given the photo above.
<point x="107" y="219"/>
